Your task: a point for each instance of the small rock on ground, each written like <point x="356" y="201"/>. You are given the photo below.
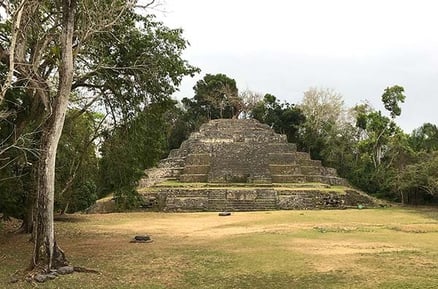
<point x="51" y="276"/>
<point x="222" y="214"/>
<point x="66" y="270"/>
<point x="40" y="278"/>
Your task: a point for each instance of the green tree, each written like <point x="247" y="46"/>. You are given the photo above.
<point x="325" y="113"/>
<point x="283" y="117"/>
<point x="181" y="123"/>
<point x="338" y="150"/>
<point x="419" y="180"/>
<point x="378" y="127"/>
<point x="383" y="150"/>
<point x="105" y="52"/>
<point x="391" y="98"/>
<point x="77" y="163"/>
<point x="424" y="138"/>
<point x="129" y="149"/>
<point x="216" y="96"/>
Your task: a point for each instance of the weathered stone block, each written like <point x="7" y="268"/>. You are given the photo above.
<point x="196" y="169"/>
<point x="193" y="178"/>
<point x="309" y="162"/>
<point x="289" y="169"/>
<point x="312" y="170"/>
<point x="198" y="159"/>
<point x="282" y="158"/>
<point x="289" y="179"/>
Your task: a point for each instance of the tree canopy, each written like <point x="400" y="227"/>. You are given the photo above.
<point x="86" y="56"/>
<point x="283" y="117"/>
<point x="216" y="96"/>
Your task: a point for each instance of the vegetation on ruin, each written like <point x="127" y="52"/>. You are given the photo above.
<point x="246" y="186"/>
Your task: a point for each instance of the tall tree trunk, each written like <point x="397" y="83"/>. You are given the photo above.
<point x="47" y="254"/>
<point x="27" y="225"/>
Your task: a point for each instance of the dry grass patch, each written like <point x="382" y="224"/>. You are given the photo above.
<point x="379" y="248"/>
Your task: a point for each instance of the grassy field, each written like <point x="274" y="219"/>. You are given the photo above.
<point x="372" y="248"/>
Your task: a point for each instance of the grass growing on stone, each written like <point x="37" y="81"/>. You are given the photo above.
<point x="373" y="248"/>
<point x="175" y="183"/>
<point x="247" y="186"/>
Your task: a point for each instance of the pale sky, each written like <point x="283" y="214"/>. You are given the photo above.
<point x="357" y="48"/>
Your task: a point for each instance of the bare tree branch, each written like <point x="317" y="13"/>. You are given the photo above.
<point x="15" y="30"/>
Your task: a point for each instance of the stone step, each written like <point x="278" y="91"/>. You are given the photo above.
<point x="301" y="185"/>
<point x="282" y="147"/>
<point x="173" y="173"/>
<point x="198" y="159"/>
<point x="171" y="162"/>
<point x="282" y="158"/>
<point x="239" y="205"/>
<point x="289" y="179"/>
<point x="302" y="156"/>
<point x="330" y="172"/>
<point x="219" y="204"/>
<point x="260" y="180"/>
<point x="290" y="169"/>
<point x="309" y="178"/>
<point x="309" y="162"/>
<point x="196" y="169"/>
<point x="216" y="195"/>
<point x="193" y="178"/>
<point x="312" y="170"/>
<point x="189" y="203"/>
<point x="181" y="194"/>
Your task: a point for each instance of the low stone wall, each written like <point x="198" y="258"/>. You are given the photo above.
<point x="255" y="199"/>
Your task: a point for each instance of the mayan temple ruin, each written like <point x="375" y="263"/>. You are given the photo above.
<point x="243" y="165"/>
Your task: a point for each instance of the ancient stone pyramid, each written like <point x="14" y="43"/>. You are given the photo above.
<point x="244" y="151"/>
<point x="238" y="164"/>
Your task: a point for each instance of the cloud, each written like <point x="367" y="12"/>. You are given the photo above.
<point x="283" y="47"/>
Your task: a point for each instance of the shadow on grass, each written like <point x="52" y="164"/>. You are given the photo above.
<point x="426" y="211"/>
<point x="269" y="280"/>
<point x="70" y="218"/>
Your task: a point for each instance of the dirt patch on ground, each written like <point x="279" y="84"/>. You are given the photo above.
<point x="328" y="254"/>
<point x="416" y="228"/>
<point x="338" y="255"/>
<point x="336" y="247"/>
<point x="198" y="225"/>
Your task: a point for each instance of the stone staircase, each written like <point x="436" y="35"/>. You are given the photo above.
<point x="237" y="164"/>
<point x="196" y="169"/>
<point x="222" y="200"/>
<point x="242" y="151"/>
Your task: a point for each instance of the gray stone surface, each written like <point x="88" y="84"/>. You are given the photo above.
<point x="255" y="199"/>
<point x="40" y="278"/>
<point x="66" y="270"/>
<point x="228" y="152"/>
<point x="239" y="151"/>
